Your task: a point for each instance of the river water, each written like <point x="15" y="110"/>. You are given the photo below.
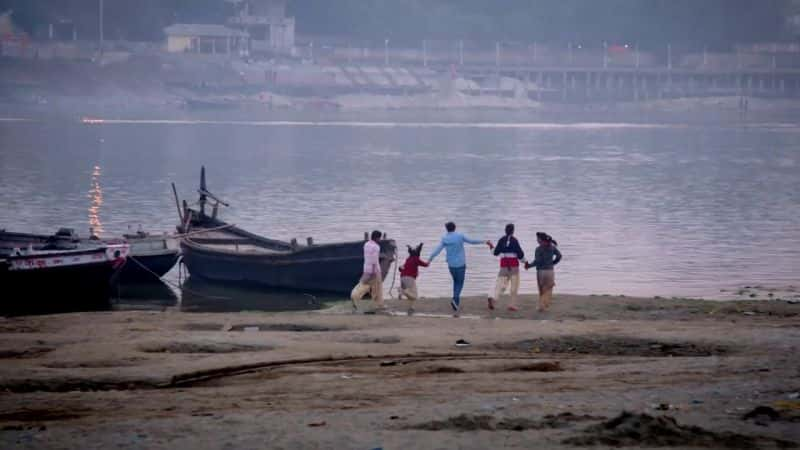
<point x="637" y="208"/>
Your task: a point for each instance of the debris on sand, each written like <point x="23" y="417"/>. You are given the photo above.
<point x="201" y="347"/>
<point x="762" y="412"/>
<point x="373" y="340"/>
<point x="613" y="345"/>
<point x="250" y="327"/>
<point x="468" y="422"/>
<point x="42" y="415"/>
<point x="629" y="429"/>
<point x="31" y="352"/>
<point x="785" y="411"/>
<point x="442" y="369"/>
<point x="544" y="366"/>
<point x="462" y="422"/>
<point x="462" y="343"/>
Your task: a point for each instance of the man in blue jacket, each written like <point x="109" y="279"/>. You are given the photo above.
<point x="453" y="243"/>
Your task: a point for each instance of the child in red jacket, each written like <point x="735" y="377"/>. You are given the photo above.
<point x="408" y="276"/>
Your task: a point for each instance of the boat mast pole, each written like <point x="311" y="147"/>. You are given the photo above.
<point x="203" y="190"/>
<point x="177" y="202"/>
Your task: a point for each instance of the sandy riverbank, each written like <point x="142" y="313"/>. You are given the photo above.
<point x="331" y="379"/>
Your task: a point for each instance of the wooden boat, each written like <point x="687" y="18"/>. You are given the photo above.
<point x="150" y="256"/>
<point x="48" y="278"/>
<point x="218" y="251"/>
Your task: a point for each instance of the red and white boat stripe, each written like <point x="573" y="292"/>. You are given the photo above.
<point x="50" y="259"/>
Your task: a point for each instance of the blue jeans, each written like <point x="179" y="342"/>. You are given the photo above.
<point x="458" y="274"/>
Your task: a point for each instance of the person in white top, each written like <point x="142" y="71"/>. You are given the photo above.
<point x="371" y="280"/>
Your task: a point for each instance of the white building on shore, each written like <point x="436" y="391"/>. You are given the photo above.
<point x="266" y="23"/>
<point x="205" y="38"/>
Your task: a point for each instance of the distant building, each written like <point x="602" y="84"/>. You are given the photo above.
<point x="6" y="25"/>
<point x="266" y="22"/>
<point x="793" y="18"/>
<point x="202" y="38"/>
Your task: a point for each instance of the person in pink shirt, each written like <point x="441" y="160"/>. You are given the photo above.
<point x="371" y="280"/>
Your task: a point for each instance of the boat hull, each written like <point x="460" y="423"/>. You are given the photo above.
<point x="157" y="254"/>
<point x="216" y="251"/>
<point x="74" y="287"/>
<point x="330" y="268"/>
<point x="148" y="268"/>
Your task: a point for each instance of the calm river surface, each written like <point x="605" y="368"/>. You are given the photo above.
<point x="671" y="210"/>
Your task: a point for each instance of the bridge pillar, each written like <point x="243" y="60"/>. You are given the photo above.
<point x="539" y="86"/>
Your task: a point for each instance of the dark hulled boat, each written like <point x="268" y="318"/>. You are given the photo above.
<point x="222" y="252"/>
<point x="57" y="277"/>
<point x="150" y="256"/>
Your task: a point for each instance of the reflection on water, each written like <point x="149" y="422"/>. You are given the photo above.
<point x="202" y="296"/>
<point x="96" y="197"/>
<point x="155" y="296"/>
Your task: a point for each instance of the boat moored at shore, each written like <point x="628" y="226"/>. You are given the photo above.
<point x="53" y="280"/>
<point x="218" y="251"/>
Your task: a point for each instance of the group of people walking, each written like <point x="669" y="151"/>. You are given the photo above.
<point x="507" y="248"/>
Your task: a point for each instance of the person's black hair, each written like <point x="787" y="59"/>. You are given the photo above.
<point x="509" y="229"/>
<point x="450" y="226"/>
<point x="376" y="235"/>
<point x="544" y="237"/>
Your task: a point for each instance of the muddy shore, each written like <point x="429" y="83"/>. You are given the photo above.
<point x="686" y="372"/>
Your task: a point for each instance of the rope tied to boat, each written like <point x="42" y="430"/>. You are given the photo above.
<point x="180" y="287"/>
<point x="394" y="274"/>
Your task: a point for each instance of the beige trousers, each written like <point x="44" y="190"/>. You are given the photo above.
<point x="368" y="284"/>
<point x="546" y="280"/>
<point x="408" y="289"/>
<point x="508" y="277"/>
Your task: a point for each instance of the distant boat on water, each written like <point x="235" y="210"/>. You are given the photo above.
<point x="218" y="251"/>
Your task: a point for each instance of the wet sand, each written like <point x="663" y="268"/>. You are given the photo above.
<point x="688" y="371"/>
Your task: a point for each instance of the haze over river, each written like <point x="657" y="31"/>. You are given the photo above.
<point x="637" y="209"/>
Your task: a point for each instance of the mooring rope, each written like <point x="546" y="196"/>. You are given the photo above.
<point x="394" y="274"/>
<point x="176" y="286"/>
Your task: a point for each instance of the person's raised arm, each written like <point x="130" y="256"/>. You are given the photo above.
<point x="473" y="241"/>
<point x="436" y="252"/>
<point x="558" y="256"/>
<point x="476" y="241"/>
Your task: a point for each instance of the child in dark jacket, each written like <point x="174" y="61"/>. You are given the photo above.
<point x="408" y="276"/>
<point x="547" y="256"/>
<point x="510" y="253"/>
